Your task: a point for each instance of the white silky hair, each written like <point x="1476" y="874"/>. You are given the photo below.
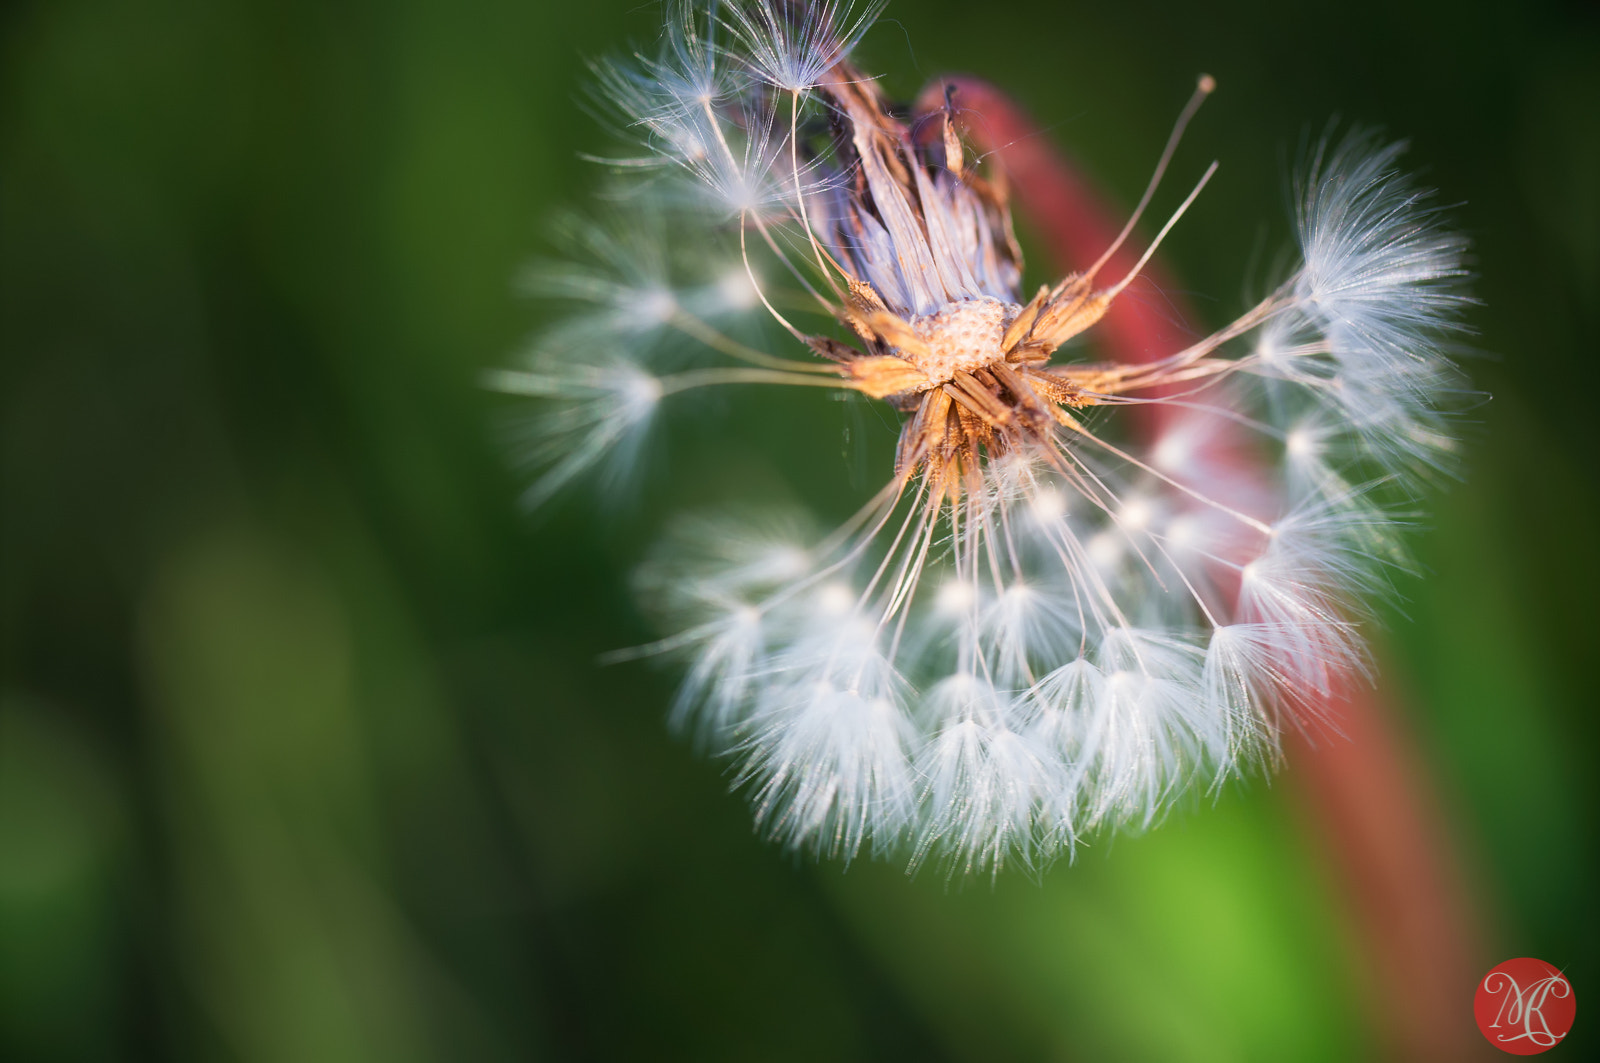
<point x="827" y="752"/>
<point x="986" y="779"/>
<point x="615" y="275"/>
<point x="626" y="286"/>
<point x="1092" y="631"/>
<point x="658" y="98"/>
<point x="1382" y="289"/>
<point x="740" y="165"/>
<point x="790" y="46"/>
<point x="599" y="414"/>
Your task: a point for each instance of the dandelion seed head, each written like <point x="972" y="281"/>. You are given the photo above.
<point x="737" y="291"/>
<point x="1182" y="532"/>
<point x="1105" y="549"/>
<point x="638" y="391"/>
<point x="955" y="597"/>
<point x="834" y="599"/>
<point x="1137" y="513"/>
<point x="1173" y="451"/>
<point x="1048" y="505"/>
<point x="1300" y="443"/>
<point x="656" y="307"/>
<point x="1057" y="615"/>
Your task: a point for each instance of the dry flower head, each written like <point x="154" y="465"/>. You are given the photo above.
<point x="1036" y="627"/>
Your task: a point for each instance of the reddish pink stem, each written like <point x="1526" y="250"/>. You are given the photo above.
<point x="1368" y="794"/>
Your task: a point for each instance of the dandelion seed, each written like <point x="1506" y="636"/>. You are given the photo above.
<point x="791" y="45"/>
<point x="599" y="418"/>
<point x="1045" y="622"/>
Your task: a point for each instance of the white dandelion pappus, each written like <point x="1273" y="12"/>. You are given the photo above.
<point x="600" y="421"/>
<point x="1044" y="623"/>
<point x="791" y="45"/>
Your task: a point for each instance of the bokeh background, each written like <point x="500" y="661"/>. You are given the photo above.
<point x="304" y="750"/>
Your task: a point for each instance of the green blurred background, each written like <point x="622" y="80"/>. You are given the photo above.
<point x="304" y="752"/>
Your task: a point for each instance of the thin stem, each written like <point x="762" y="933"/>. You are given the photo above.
<point x="1202" y="90"/>
<point x="697" y="378"/>
<point x="1244" y="518"/>
<point x="799" y="194"/>
<point x="766" y="234"/>
<point x="744" y="254"/>
<point x="1151" y="250"/>
<point x="700" y="330"/>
